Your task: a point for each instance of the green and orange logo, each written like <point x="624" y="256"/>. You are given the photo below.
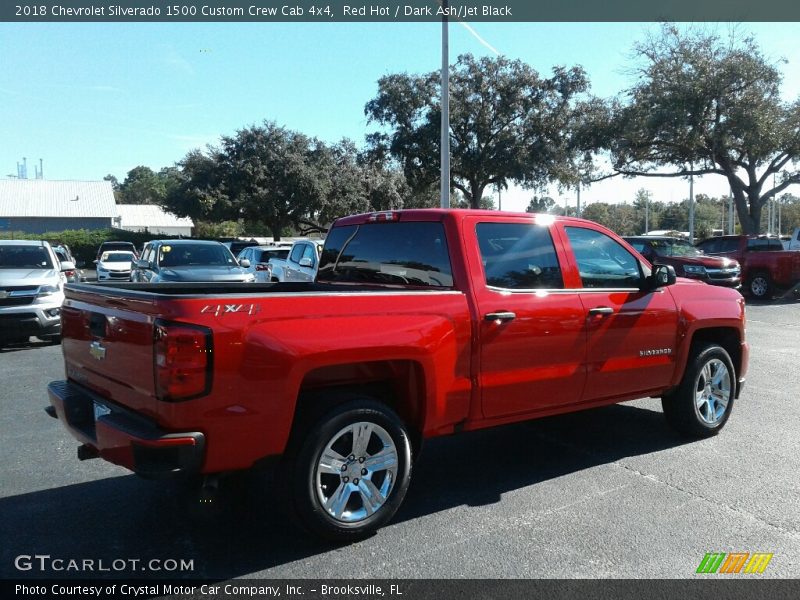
<point x="735" y="562"/>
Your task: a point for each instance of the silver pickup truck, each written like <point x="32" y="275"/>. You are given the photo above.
<point x="302" y="263"/>
<point x="31" y="291"/>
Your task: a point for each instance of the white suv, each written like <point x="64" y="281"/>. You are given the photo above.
<point x="31" y="291"/>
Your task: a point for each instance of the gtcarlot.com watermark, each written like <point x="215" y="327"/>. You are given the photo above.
<point x="45" y="563"/>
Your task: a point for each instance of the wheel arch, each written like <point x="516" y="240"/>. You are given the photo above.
<point x="398" y="384"/>
<point x="728" y="338"/>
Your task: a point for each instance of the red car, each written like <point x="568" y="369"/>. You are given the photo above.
<point x="421" y="323"/>
<point x="688" y="261"/>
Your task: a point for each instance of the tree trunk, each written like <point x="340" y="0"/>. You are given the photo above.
<point x="476" y="190"/>
<point x="275" y="228"/>
<point x="745" y="207"/>
<point x="754" y="226"/>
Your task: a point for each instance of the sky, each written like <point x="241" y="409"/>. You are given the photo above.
<point x="94" y="99"/>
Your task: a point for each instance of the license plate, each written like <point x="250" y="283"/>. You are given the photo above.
<point x="100" y="410"/>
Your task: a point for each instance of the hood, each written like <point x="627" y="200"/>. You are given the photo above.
<point x="711" y="262"/>
<point x="20" y="277"/>
<point x="114" y="266"/>
<point x="208" y="273"/>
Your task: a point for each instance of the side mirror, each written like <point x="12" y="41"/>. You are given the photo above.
<point x="142" y="264"/>
<point x="95" y="261"/>
<point x="662" y="276"/>
<point x="244" y="263"/>
<point x="67" y="266"/>
<point x="306" y="262"/>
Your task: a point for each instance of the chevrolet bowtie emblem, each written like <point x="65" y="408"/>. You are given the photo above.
<point x="96" y="349"/>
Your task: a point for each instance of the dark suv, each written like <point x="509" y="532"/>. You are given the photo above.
<point x="688" y="261"/>
<point x="188" y="260"/>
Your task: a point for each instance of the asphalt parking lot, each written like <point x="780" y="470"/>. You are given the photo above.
<point x="605" y="493"/>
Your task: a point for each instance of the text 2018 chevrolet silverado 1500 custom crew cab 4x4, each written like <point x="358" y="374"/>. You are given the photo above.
<point x="421" y="323"/>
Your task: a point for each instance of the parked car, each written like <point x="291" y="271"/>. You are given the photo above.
<point x="300" y="265"/>
<point x="236" y="246"/>
<point x="420" y="323"/>
<point x="31" y="290"/>
<point x="115" y="265"/>
<point x="688" y="260"/>
<point x="118" y="246"/>
<point x="793" y="243"/>
<point x="259" y="258"/>
<point x="189" y="260"/>
<point x="766" y="266"/>
<point x="64" y="255"/>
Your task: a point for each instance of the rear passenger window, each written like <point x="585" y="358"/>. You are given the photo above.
<point x="518" y="256"/>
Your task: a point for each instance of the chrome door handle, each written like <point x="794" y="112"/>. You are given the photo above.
<point x="499" y="316"/>
<point x="601" y="310"/>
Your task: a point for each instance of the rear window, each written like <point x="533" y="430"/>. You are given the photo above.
<point x="263" y="256"/>
<point x="764" y="244"/>
<point x="392" y="253"/>
<point x="24" y="257"/>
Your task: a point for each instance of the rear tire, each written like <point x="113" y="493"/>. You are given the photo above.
<point x="702" y="403"/>
<point x="760" y="286"/>
<point x="350" y="472"/>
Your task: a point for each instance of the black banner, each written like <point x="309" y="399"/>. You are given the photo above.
<point x="333" y="11"/>
<point x="740" y="587"/>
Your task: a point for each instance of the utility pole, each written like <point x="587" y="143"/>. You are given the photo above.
<point x="578" y="205"/>
<point x="691" y="204"/>
<point x="772" y="207"/>
<point x="445" y="124"/>
<point x="646" y="214"/>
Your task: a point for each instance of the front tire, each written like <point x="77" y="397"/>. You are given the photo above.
<point x="702" y="403"/>
<point x="351" y="471"/>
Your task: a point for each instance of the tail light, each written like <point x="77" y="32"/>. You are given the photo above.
<point x="182" y="361"/>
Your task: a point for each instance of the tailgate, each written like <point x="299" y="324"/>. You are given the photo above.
<point x="107" y="340"/>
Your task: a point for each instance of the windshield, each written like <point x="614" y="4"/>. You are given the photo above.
<point x="117" y="257"/>
<point x="181" y="255"/>
<point x="675" y="248"/>
<point x="25" y="257"/>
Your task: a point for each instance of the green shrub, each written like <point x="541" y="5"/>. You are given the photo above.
<point x="84" y="242"/>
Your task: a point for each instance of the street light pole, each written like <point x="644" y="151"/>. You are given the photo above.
<point x="730" y="212"/>
<point x="691" y="203"/>
<point x="445" y="124"/>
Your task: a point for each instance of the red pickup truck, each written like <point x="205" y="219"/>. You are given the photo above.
<point x="766" y="266"/>
<point x="421" y="323"/>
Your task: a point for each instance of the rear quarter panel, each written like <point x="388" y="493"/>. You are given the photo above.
<point x="263" y="358"/>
